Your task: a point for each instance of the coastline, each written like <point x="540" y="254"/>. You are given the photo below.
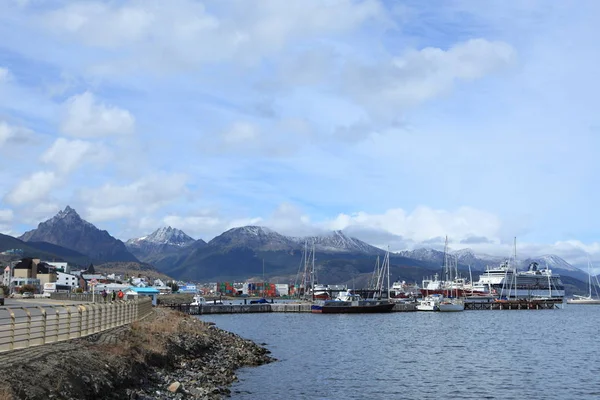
<point x="169" y="355"/>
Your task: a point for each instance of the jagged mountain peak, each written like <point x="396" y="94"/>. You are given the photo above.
<point x="252" y="230"/>
<point x="551" y="261"/>
<point x="69" y="230"/>
<point x="165" y="235"/>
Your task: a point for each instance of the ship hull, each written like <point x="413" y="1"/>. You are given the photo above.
<point x="344" y="307"/>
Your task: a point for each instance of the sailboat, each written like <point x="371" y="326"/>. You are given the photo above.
<point x="453" y="303"/>
<point x="585" y="299"/>
<point x="349" y="302"/>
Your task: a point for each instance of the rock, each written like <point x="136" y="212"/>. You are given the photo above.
<point x="174" y="387"/>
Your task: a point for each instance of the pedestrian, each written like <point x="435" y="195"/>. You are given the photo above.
<point x="104" y="295"/>
<point x="113" y="295"/>
<point x="120" y="294"/>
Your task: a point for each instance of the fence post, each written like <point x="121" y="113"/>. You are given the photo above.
<point x="12" y="328"/>
<point x="44" y="322"/>
<point x="28" y="325"/>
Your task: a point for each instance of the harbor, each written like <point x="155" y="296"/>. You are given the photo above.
<point x="200" y="309"/>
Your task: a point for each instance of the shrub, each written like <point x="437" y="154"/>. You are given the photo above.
<point x="27" y="288"/>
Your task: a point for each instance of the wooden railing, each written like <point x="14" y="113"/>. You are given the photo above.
<point x="22" y="327"/>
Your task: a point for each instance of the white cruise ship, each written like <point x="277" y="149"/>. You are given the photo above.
<point x="535" y="283"/>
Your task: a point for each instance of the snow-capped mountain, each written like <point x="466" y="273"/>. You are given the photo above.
<point x="432" y="256"/>
<point x="551" y="261"/>
<point x="337" y="241"/>
<point x="164" y="235"/>
<point x="265" y="239"/>
<point x="162" y="240"/>
<point x="255" y="237"/>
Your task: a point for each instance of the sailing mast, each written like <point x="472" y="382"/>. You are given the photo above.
<point x="388" y="272"/>
<point x="313" y="272"/>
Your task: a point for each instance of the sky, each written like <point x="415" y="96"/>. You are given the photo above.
<point x="398" y="122"/>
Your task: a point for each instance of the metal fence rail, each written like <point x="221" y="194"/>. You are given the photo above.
<point x="22" y="327"/>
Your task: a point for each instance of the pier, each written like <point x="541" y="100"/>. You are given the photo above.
<point x="524" y="304"/>
<point x="398" y="307"/>
<point x="258" y="308"/>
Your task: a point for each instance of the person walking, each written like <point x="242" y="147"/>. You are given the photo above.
<point x="104" y="295"/>
<point x="113" y="295"/>
<point x="120" y="295"/>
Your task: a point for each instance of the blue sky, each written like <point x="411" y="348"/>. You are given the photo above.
<point x="399" y="122"/>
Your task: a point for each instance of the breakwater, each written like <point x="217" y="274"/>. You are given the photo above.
<point x="168" y="355"/>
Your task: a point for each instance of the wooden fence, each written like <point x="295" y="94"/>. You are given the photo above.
<point x="22" y="327"/>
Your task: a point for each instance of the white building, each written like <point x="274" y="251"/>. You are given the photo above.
<point x="7" y="276"/>
<point x="67" y="279"/>
<point x="60" y="265"/>
<point x="282" y="289"/>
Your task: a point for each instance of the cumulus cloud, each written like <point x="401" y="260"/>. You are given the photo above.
<point x="33" y="188"/>
<point x="4" y="74"/>
<point x="68" y="155"/>
<point x="388" y="87"/>
<point x="425" y="223"/>
<point x="186" y="33"/>
<point x="6" y="215"/>
<point x="13" y="134"/>
<point x="85" y="116"/>
<point x="147" y="193"/>
<point x="98" y="214"/>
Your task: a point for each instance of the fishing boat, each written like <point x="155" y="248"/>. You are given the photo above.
<point x="349" y="302"/>
<point x="586" y="299"/>
<point x="430" y="303"/>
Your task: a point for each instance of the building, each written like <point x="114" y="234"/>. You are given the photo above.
<point x="31" y="271"/>
<point x="67" y="279"/>
<point x="134" y="292"/>
<point x="60" y="266"/>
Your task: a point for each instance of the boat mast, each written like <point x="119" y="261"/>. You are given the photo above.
<point x="388" y="272"/>
<point x="313" y="272"/>
<point x="589" y="279"/>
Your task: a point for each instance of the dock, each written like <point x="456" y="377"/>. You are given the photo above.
<point x="259" y="308"/>
<point x="524" y="304"/>
<point x="398" y="307"/>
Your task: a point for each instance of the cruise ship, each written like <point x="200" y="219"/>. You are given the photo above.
<point x="535" y="283"/>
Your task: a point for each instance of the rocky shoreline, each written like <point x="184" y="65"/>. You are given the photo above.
<point x="167" y="356"/>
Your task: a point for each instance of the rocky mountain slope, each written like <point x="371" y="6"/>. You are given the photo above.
<point x="161" y="241"/>
<point x="69" y="230"/>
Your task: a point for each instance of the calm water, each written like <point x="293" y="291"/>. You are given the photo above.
<point x="545" y="354"/>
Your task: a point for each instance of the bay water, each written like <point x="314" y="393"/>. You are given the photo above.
<point x="509" y="354"/>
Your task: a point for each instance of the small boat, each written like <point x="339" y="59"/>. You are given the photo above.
<point x="430" y="303"/>
<point x="451" y="304"/>
<point x="349" y="302"/>
<point x="585" y="299"/>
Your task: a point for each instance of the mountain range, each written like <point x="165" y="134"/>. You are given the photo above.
<point x="247" y="252"/>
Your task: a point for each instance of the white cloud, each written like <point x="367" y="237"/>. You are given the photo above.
<point x="86" y="117"/>
<point x="147" y="193"/>
<point x="4" y="75"/>
<point x="185" y="33"/>
<point x="33" y="188"/>
<point x="241" y="134"/>
<point x="13" y="134"/>
<point x="388" y="88"/>
<point x="68" y="155"/>
<point x="98" y="214"/>
<point x="6" y="215"/>
<point x="425" y="223"/>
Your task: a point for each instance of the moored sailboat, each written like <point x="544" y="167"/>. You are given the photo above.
<point x="577" y="299"/>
